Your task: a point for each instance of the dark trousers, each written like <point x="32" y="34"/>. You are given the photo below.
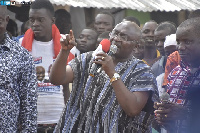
<point x="46" y="128"/>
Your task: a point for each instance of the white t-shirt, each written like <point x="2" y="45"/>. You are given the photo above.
<point x="50" y="97"/>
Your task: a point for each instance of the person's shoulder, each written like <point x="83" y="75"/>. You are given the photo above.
<point x="18" y="49"/>
<point x="156" y="64"/>
<point x="140" y="63"/>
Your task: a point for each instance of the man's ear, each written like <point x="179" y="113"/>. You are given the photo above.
<point x="53" y="20"/>
<point x="7" y="18"/>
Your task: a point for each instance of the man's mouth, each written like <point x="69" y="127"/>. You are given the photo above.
<point x="36" y="30"/>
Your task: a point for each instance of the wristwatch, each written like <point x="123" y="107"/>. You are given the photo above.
<point x="115" y="77"/>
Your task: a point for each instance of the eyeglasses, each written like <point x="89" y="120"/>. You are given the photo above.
<point x="121" y="37"/>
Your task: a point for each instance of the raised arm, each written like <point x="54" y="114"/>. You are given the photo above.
<point x="60" y="73"/>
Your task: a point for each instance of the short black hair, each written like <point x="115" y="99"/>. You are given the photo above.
<point x="152" y="21"/>
<point x="24" y="27"/>
<point x="132" y="19"/>
<point x="63" y="13"/>
<point x="91" y="28"/>
<point x="167" y="25"/>
<point x="11" y="27"/>
<point x="192" y="22"/>
<point x="63" y="18"/>
<point x="195" y="13"/>
<point x="39" y="4"/>
<point x="110" y="14"/>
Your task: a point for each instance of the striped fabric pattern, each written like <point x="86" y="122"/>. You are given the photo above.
<point x="93" y="106"/>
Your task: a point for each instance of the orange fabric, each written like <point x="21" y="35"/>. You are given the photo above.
<point x="173" y="60"/>
<point x="29" y="36"/>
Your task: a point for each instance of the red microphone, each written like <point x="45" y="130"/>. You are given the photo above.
<point x="107" y="47"/>
<point x="104" y="47"/>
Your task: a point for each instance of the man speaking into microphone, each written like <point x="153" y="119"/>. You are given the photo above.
<point x="119" y="98"/>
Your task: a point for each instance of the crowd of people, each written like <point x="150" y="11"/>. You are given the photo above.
<point x="149" y="84"/>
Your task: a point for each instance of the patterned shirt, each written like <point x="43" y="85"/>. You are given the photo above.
<point x="93" y="106"/>
<point x="18" y="96"/>
<point x="181" y="80"/>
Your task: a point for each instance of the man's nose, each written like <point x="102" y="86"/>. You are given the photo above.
<point x="101" y="26"/>
<point x="35" y="23"/>
<point x="151" y="33"/>
<point x="84" y="39"/>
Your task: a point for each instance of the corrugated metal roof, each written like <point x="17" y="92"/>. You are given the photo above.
<point x="139" y="5"/>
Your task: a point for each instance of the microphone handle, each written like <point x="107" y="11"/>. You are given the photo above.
<point x="93" y="69"/>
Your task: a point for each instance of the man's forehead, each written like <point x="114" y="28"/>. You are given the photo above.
<point x="184" y="31"/>
<point x="103" y="17"/>
<point x="163" y="32"/>
<point x="42" y="12"/>
<point x="88" y="32"/>
<point x="3" y="10"/>
<point x="125" y="26"/>
<point x="128" y="28"/>
<point x="148" y="25"/>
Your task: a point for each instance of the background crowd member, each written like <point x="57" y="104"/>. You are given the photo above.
<point x="85" y="42"/>
<point x="43" y="41"/>
<point x="132" y="19"/>
<point x="12" y="28"/>
<point x="138" y="52"/>
<point x="163" y="29"/>
<point x="170" y="44"/>
<point x="151" y="55"/>
<point x="117" y="97"/>
<point x="24" y="27"/>
<point x="18" y="95"/>
<point x="104" y="21"/>
<point x="63" y="21"/>
<point x="158" y="68"/>
<point x="182" y="79"/>
<point x="174" y="59"/>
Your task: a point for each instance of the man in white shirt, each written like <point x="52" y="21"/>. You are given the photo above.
<point x="43" y="41"/>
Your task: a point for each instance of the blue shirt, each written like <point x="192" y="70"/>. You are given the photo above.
<point x="18" y="95"/>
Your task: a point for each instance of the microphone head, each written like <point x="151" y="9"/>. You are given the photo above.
<point x="105" y="45"/>
<point x="113" y="49"/>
